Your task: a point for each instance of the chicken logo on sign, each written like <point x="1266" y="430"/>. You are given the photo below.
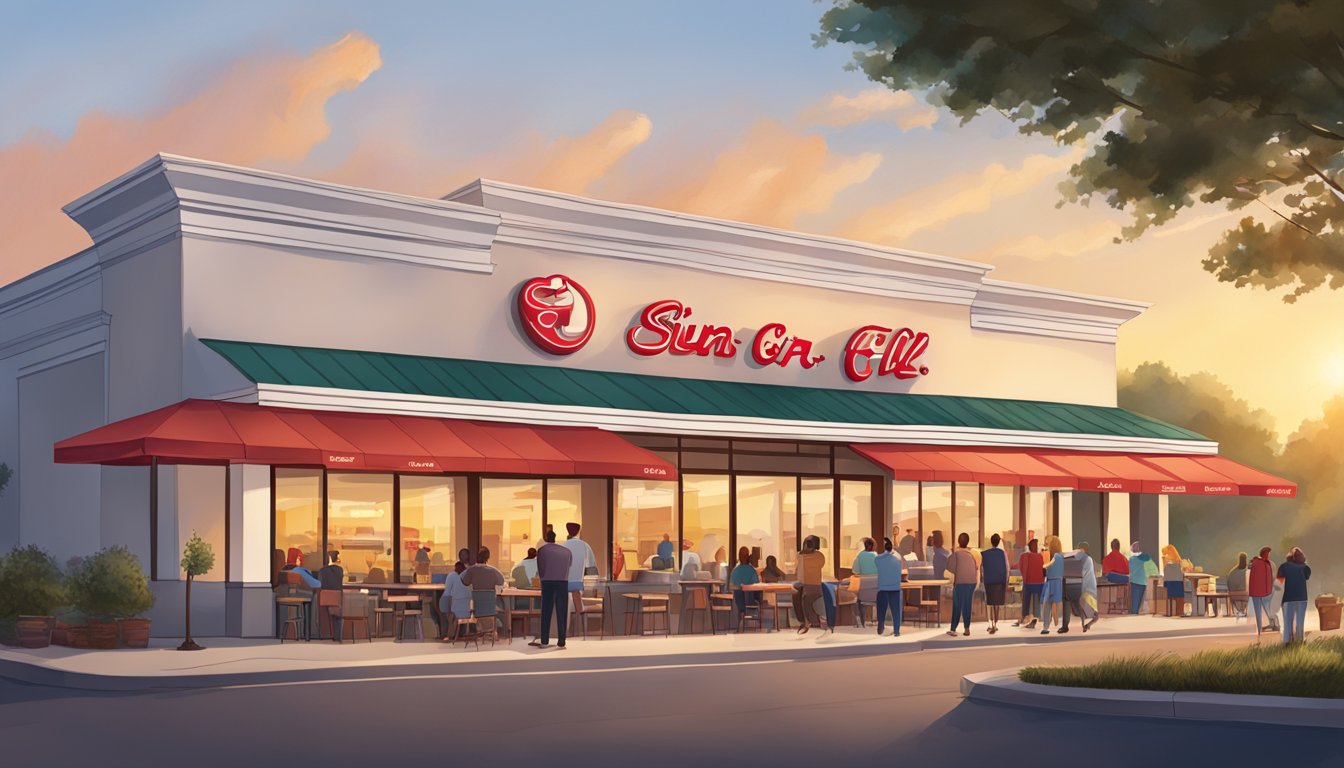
<point x="556" y="313"/>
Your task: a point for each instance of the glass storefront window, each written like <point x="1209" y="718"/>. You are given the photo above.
<point x="856" y="519"/>
<point x="905" y="535"/>
<point x="359" y="524"/>
<point x="298" y="519"/>
<point x="767" y="517"/>
<point x="818" y="520"/>
<point x="199" y="510"/>
<point x="564" y="504"/>
<point x="433" y="517"/>
<point x="511" y="520"/>
<point x="704" y="503"/>
<point x="937" y="511"/>
<point x="646" y="511"/>
<point x="1000" y="516"/>
<point x="967" y="517"/>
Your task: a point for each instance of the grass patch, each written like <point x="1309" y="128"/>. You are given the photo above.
<point x="1314" y="669"/>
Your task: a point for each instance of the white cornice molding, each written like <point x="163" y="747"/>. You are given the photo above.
<point x="49" y="283"/>
<point x="545" y="219"/>
<point x="93" y="321"/>
<point x="1035" y="310"/>
<point x="170" y="194"/>
<point x="619" y="420"/>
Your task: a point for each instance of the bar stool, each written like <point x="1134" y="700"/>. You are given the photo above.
<point x="649" y="608"/>
<point x="354" y="610"/>
<point x="695" y="601"/>
<point x="591" y="607"/>
<point x="328" y="602"/>
<point x="721" y="605"/>
<point x="295" y="614"/>
<point x="401" y="613"/>
<point x="751" y="614"/>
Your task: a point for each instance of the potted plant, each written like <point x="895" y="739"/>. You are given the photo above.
<point x="198" y="558"/>
<point x="31" y="589"/>
<point x="110" y="588"/>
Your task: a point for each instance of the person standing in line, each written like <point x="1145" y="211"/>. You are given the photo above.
<point x="1052" y="597"/>
<point x="1260" y="586"/>
<point x="938" y="554"/>
<point x="890" y="568"/>
<point x="584" y="562"/>
<point x="1141" y="568"/>
<point x="807" y="591"/>
<point x="1114" y="566"/>
<point x="1032" y="568"/>
<point x="1294" y="572"/>
<point x="863" y="562"/>
<point x="553" y="563"/>
<point x="994" y="569"/>
<point x="965" y="572"/>
<point x="1173" y="577"/>
<point x="1236" y="584"/>
<point x="743" y="574"/>
<point x="1080" y="584"/>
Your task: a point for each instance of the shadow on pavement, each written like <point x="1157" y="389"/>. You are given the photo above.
<point x="974" y="732"/>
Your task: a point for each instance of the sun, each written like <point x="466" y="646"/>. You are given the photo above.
<point x="1333" y="368"/>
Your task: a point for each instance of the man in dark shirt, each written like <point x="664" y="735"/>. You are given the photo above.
<point x="1294" y="574"/>
<point x="553" y="561"/>
<point x="483" y="575"/>
<point x="332" y="579"/>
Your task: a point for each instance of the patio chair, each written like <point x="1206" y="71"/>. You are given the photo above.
<point x="481" y="621"/>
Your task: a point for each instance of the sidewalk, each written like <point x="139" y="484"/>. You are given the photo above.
<point x="233" y="661"/>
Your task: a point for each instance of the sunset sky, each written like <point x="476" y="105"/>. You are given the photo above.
<point x="723" y="109"/>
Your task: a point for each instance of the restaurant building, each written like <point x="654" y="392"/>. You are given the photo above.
<point x="284" y="365"/>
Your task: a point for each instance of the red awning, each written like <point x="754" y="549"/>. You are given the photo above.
<point x="1106" y="472"/>
<point x="993" y="466"/>
<point x="218" y="432"/>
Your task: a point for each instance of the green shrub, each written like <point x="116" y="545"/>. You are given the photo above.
<point x="31" y="583"/>
<point x="111" y="585"/>
<point x="1314" y="669"/>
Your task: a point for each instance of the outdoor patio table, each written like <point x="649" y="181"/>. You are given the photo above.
<point x="423" y="592"/>
<point x="709" y="585"/>
<point x="762" y="587"/>
<point x="399" y="603"/>
<point x="636" y="605"/>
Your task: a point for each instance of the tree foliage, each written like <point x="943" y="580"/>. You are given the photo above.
<point x="198" y="557"/>
<point x="31" y="583"/>
<point x="1233" y="102"/>
<point x="111" y="584"/>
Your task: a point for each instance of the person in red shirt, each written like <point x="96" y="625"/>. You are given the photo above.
<point x="1260" y="585"/>
<point x="1032" y="567"/>
<point x="1115" y="566"/>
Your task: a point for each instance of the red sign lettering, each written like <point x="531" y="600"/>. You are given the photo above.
<point x="895" y="352"/>
<point x="660" y="330"/>
<point x="773" y="345"/>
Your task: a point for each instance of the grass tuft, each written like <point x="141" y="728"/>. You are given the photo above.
<point x="1314" y="670"/>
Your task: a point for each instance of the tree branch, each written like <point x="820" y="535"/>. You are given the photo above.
<point x="1321" y="174"/>
<point x="1285" y="218"/>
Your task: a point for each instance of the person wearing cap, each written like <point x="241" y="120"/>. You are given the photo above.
<point x="1141" y="568"/>
<point x="583" y="563"/>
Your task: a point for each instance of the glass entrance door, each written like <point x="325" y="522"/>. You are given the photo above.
<point x="510" y="520"/>
<point x="767" y="517"/>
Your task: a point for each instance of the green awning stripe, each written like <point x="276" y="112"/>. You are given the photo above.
<point x="563" y="386"/>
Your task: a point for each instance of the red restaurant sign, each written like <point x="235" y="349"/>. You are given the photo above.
<point x="558" y="316"/>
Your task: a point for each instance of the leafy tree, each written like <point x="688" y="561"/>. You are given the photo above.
<point x="1235" y="102"/>
<point x="31" y="583"/>
<point x="111" y="584"/>
<point x="5" y="474"/>
<point x="198" y="558"/>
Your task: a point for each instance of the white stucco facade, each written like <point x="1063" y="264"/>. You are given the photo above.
<point x="187" y="250"/>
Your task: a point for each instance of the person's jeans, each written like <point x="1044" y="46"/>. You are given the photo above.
<point x="961" y="605"/>
<point x="1262" y="604"/>
<point x="1073" y="602"/>
<point x="1136" y="597"/>
<point x="804" y="603"/>
<point x="554" y="598"/>
<point x="889" y="599"/>
<point x="1118" y="578"/>
<point x="1294" y="620"/>
<point x="1031" y="600"/>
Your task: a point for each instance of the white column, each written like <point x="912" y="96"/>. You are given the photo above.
<point x="251" y="610"/>
<point x="1117" y="521"/>
<point x="1163" y="528"/>
<point x="1065" y="532"/>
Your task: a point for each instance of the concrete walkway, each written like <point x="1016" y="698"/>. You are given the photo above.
<point x="232" y="661"/>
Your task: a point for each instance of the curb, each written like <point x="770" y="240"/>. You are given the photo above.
<point x="1003" y="687"/>
<point x="37" y="674"/>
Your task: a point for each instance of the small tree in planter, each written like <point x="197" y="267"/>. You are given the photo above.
<point x="198" y="558"/>
<point x="31" y="589"/>
<point x="109" y="586"/>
